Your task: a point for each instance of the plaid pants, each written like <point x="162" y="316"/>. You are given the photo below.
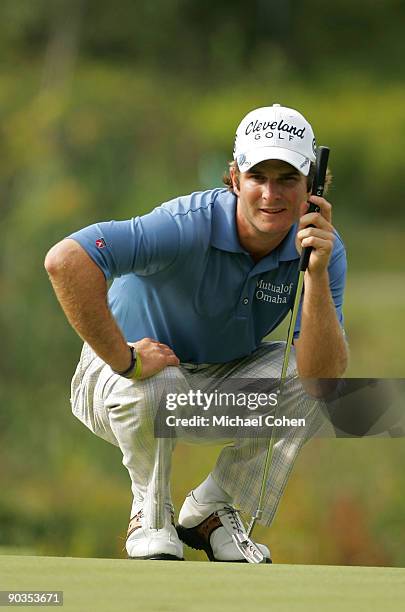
<point x="122" y="412"/>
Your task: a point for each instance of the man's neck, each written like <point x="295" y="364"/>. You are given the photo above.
<point x="258" y="253"/>
<point x="258" y="246"/>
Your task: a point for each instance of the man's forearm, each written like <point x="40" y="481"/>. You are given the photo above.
<point x="321" y="348"/>
<point x="81" y="289"/>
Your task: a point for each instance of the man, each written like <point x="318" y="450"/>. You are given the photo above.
<point x="197" y="286"/>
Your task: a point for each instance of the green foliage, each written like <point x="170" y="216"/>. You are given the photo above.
<point x="214" y="40"/>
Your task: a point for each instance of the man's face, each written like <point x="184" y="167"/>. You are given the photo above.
<point x="272" y="196"/>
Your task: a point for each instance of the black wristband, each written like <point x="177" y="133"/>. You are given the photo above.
<point x="129" y="371"/>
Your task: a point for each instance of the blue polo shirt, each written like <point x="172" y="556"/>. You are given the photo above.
<point x="180" y="276"/>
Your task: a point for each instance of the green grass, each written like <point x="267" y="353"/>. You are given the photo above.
<point x="106" y="584"/>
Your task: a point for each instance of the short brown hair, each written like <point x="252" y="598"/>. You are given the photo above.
<point x="232" y="164"/>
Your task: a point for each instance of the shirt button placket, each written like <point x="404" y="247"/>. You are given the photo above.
<point x="244" y="302"/>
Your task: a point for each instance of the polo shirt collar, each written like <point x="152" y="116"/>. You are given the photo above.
<point x="224" y="234"/>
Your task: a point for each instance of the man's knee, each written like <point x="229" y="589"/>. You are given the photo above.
<point x="148" y="395"/>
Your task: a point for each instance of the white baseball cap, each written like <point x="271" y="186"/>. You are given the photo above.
<point x="275" y="132"/>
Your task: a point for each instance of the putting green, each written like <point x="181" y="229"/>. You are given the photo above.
<point x="119" y="585"/>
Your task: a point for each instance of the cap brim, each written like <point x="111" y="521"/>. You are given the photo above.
<point x="300" y="162"/>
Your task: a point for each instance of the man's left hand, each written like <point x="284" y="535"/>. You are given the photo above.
<point x="320" y="237"/>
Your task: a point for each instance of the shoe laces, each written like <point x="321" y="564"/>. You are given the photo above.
<point x="233" y="515"/>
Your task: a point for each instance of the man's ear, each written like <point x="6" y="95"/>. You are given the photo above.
<point x="235" y="181"/>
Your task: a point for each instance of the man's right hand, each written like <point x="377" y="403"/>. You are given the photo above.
<point x="154" y="356"/>
<point x="81" y="289"/>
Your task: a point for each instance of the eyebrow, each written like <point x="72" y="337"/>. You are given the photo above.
<point x="289" y="173"/>
<point x="283" y="173"/>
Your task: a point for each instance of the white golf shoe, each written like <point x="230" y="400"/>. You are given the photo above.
<point x="216" y="528"/>
<point x="146" y="543"/>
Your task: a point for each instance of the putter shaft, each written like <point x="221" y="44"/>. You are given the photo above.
<point x="269" y="453"/>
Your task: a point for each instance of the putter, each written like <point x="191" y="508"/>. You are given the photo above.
<point x="317" y="189"/>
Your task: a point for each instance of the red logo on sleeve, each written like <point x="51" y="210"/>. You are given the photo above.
<point x="100" y="243"/>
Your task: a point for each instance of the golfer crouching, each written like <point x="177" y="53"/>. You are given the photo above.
<point x="196" y="285"/>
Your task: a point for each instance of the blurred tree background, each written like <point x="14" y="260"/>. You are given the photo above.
<point x="106" y="111"/>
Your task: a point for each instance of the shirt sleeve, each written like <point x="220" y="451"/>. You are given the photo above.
<point x="144" y="245"/>
<point x="337" y="281"/>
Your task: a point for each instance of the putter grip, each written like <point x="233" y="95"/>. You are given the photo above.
<point x="318" y="185"/>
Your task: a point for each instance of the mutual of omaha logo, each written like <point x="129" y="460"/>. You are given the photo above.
<point x="100" y="243"/>
<point x="272" y="293"/>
